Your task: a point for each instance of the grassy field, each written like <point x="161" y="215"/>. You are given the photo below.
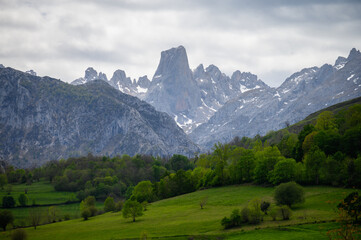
<point x="181" y="217"/>
<point x="41" y="192"/>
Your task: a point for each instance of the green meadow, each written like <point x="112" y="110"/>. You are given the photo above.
<point x="182" y="218"/>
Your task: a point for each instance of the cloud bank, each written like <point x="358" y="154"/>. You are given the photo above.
<point x="272" y="39"/>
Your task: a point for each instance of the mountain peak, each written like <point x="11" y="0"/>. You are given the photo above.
<point x="353" y="54"/>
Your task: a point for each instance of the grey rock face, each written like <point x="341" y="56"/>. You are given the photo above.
<point x="261" y="110"/>
<point x="90" y="75"/>
<point x="43" y="119"/>
<point x="2" y="66"/>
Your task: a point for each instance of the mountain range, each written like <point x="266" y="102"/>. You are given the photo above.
<point x="42" y="119"/>
<point x="211" y="106"/>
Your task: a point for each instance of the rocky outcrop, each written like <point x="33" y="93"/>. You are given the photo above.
<point x="43" y="119"/>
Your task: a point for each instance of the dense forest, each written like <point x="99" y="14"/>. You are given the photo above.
<point x="327" y="152"/>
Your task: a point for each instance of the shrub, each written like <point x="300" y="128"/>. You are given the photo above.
<point x="245" y="214"/>
<point x="274" y="212"/>
<point x="86" y="213"/>
<point x="234" y="221"/>
<point x="23" y="200"/>
<point x="265" y="206"/>
<point x="255" y="214"/>
<point x="119" y="206"/>
<point x="19" y="234"/>
<point x="6" y="217"/>
<point x="8" y="202"/>
<point x="66" y="217"/>
<point x="285" y="212"/>
<point x="109" y="204"/>
<point x="93" y="211"/>
<point x="226" y="223"/>
<point x="289" y="194"/>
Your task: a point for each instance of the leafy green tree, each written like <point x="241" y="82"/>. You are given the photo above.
<point x="23" y="199"/>
<point x="265" y="206"/>
<point x="178" y="162"/>
<point x="255" y="213"/>
<point x="6" y="217"/>
<point x="314" y="160"/>
<point x="289" y="193"/>
<point x="85" y="213"/>
<point x="266" y="160"/>
<point x="52" y="214"/>
<point x="8" y="202"/>
<point x="109" y="204"/>
<point x="3" y="180"/>
<point x="143" y="192"/>
<point x="221" y="153"/>
<point x="326" y="121"/>
<point x="284" y="171"/>
<point x="132" y="209"/>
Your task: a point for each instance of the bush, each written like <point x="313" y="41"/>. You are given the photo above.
<point x="234" y="221"/>
<point x="265" y="206"/>
<point x="8" y="202"/>
<point x="255" y="213"/>
<point x="226" y="223"/>
<point x="245" y="214"/>
<point x="119" y="206"/>
<point x="109" y="204"/>
<point x="6" y="217"/>
<point x="19" y="234"/>
<point x="285" y="212"/>
<point x="86" y="213"/>
<point x="66" y="217"/>
<point x="274" y="212"/>
<point x="23" y="200"/>
<point x="93" y="211"/>
<point x="289" y="193"/>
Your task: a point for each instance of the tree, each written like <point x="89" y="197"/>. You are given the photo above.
<point x="289" y="193"/>
<point x="266" y="160"/>
<point x="85" y="213"/>
<point x="143" y="192"/>
<point x="6" y="217"/>
<point x="89" y="203"/>
<point x="284" y="171"/>
<point x="314" y="160"/>
<point x="8" y="202"/>
<point x="203" y="202"/>
<point x="109" y="204"/>
<point x="132" y="209"/>
<point x="352" y="205"/>
<point x="35" y="217"/>
<point x="326" y="121"/>
<point x="285" y="212"/>
<point x="52" y="213"/>
<point x="178" y="162"/>
<point x="23" y="200"/>
<point x="3" y="180"/>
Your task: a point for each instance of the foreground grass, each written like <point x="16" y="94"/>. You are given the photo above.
<point x="181" y="216"/>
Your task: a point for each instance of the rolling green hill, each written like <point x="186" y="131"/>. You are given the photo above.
<point x="181" y="218"/>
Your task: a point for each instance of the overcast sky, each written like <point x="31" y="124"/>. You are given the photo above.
<point x="272" y="39"/>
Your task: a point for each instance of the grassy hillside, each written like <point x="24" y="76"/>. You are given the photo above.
<point x="311" y="119"/>
<point x="181" y="217"/>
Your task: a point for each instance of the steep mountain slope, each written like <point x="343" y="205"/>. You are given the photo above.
<point x="43" y="119"/>
<point x="261" y="110"/>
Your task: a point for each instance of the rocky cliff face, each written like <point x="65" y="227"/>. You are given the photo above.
<point x="43" y="119"/>
<point x="263" y="109"/>
<point x="189" y="97"/>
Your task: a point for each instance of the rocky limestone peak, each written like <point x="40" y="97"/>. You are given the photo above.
<point x="340" y="61"/>
<point x="2" y="66"/>
<point x="31" y="72"/>
<point x="354" y="54"/>
<point x="199" y="71"/>
<point x="102" y="76"/>
<point x="121" y="77"/>
<point x="143" y="82"/>
<point x="213" y="70"/>
<point x="90" y="74"/>
<point x="172" y="61"/>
